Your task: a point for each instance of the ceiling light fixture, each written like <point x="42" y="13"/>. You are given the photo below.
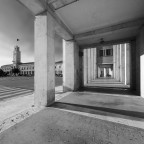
<point x="101" y="41"/>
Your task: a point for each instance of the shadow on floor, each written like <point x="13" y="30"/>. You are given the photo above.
<point x="59" y="92"/>
<point x="100" y="110"/>
<point x="110" y="90"/>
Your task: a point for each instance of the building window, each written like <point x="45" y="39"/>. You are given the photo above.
<point x="109" y="52"/>
<point x="106" y="52"/>
<point x="101" y="53"/>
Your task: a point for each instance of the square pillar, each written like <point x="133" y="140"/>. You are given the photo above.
<point x="118" y="62"/>
<point x="81" y="67"/>
<point x="85" y="65"/>
<point x="44" y="79"/>
<point x="114" y="61"/>
<point x="71" y="77"/>
<point x="95" y="68"/>
<point x="138" y="65"/>
<point x="127" y="80"/>
<point x="92" y="61"/>
<point x="99" y="72"/>
<point x="141" y="45"/>
<point x="133" y="65"/>
<point x="123" y="63"/>
<point x="104" y="72"/>
<point x="89" y="64"/>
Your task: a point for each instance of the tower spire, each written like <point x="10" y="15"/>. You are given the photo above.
<point x="17" y="41"/>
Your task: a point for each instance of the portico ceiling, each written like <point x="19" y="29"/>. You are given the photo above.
<point x="84" y="16"/>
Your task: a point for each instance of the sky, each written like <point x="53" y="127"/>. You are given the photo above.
<point x="17" y="22"/>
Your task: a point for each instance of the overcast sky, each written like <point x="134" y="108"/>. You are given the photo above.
<point x="17" y="22"/>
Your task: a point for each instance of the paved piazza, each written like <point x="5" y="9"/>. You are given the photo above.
<point x="19" y="86"/>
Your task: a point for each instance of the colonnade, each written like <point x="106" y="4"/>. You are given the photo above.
<point x="120" y="63"/>
<point x="89" y="65"/>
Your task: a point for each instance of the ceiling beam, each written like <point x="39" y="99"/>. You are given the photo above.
<point x="116" y="27"/>
<point x="33" y="6"/>
<point x="108" y="43"/>
<point x="63" y="3"/>
<point x="66" y="33"/>
<point x="51" y="1"/>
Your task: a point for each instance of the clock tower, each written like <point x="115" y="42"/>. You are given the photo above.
<point x="16" y="56"/>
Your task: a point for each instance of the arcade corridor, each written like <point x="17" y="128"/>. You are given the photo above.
<point x="107" y="66"/>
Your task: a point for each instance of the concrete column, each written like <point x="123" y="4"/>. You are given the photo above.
<point x="141" y="45"/>
<point x="89" y="64"/>
<point x="123" y="63"/>
<point x="81" y="67"/>
<point x="96" y="66"/>
<point x="133" y="65"/>
<point x="127" y="79"/>
<point x="85" y="57"/>
<point x="110" y="72"/>
<point x="118" y="63"/>
<point x="114" y="61"/>
<point x="138" y="65"/>
<point x="71" y="81"/>
<point x="99" y="72"/>
<point x="44" y="60"/>
<point x="104" y="72"/>
<point x="125" y="53"/>
<point x="116" y="53"/>
<point x="94" y="54"/>
<point x="92" y="61"/>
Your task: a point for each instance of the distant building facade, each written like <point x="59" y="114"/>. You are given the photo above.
<point x="25" y="68"/>
<point x="105" y="61"/>
<point x="59" y="68"/>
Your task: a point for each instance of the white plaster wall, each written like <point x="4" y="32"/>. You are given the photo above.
<point x="71" y="75"/>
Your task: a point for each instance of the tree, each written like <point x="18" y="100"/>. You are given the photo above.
<point x="1" y="73"/>
<point x="15" y="71"/>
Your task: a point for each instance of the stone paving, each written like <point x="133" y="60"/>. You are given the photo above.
<point x="10" y="92"/>
<point x="80" y="118"/>
<point x="54" y="126"/>
<point x="16" y="109"/>
<point x="24" y="82"/>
